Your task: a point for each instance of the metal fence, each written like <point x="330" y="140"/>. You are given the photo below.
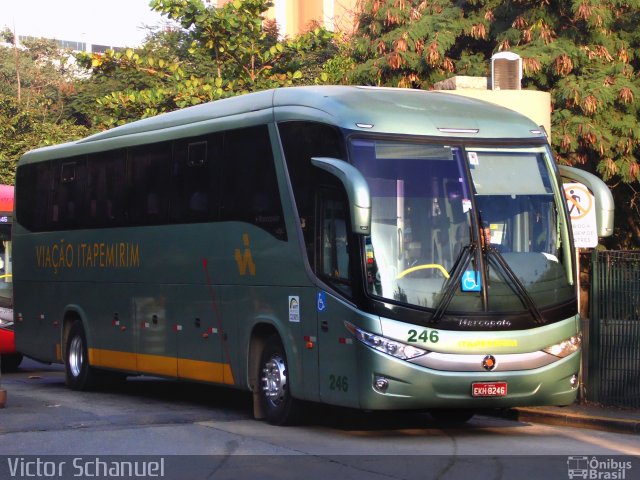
<point x="614" y="329"/>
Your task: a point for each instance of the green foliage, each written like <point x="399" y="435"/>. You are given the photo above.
<point x="22" y="129"/>
<point x="7" y="36"/>
<point x="217" y="52"/>
<point x="584" y="52"/>
<point x="336" y="68"/>
<point x="409" y="43"/>
<point x="36" y="82"/>
<point x="38" y="75"/>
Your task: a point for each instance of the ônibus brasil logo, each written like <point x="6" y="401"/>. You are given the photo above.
<point x="595" y="468"/>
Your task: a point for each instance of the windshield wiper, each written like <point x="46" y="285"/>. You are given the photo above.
<point x="517" y="286"/>
<point x="464" y="257"/>
<point x="458" y="271"/>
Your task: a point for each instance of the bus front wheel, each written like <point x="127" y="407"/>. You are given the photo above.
<point x="78" y="374"/>
<point x="279" y="406"/>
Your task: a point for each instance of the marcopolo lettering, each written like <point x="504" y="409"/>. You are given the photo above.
<point x="465" y="322"/>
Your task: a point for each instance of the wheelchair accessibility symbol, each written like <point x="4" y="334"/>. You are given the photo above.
<point x="322" y="301"/>
<point x="471" y="281"/>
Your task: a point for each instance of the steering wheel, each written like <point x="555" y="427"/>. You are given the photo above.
<point x="424" y="266"/>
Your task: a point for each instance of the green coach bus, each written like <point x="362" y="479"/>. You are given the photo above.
<point x="365" y="247"/>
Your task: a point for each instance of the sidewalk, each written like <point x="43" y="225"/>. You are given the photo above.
<point x="597" y="417"/>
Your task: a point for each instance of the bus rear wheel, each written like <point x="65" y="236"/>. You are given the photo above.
<point x="78" y="374"/>
<point x="279" y="406"/>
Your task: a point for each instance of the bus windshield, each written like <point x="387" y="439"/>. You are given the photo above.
<point x="443" y="220"/>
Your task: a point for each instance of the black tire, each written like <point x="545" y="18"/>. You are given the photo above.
<point x="10" y="362"/>
<point x="279" y="406"/>
<point x="452" y="416"/>
<point x="78" y="373"/>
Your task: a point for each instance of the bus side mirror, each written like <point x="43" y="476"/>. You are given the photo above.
<point x="357" y="191"/>
<point x="603" y="197"/>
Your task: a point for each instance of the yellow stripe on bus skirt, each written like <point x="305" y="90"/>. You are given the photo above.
<point x="160" y="365"/>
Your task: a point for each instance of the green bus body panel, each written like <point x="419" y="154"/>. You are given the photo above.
<point x="400" y="111"/>
<point x="189" y="291"/>
<point x="175" y="300"/>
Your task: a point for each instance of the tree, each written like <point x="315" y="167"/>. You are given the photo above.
<point x="38" y="75"/>
<point x="410" y="43"/>
<point x="23" y="129"/>
<point x="36" y="83"/>
<point x="582" y="51"/>
<point x="128" y="85"/>
<point x="214" y="53"/>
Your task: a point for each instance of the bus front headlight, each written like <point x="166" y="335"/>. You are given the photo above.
<point x="566" y="347"/>
<point x="385" y="345"/>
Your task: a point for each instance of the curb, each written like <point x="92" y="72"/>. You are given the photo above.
<point x="572" y="419"/>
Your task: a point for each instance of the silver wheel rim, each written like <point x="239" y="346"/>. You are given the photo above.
<point x="76" y="356"/>
<point x="274" y="380"/>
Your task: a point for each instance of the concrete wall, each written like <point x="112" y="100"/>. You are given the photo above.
<point x="532" y="103"/>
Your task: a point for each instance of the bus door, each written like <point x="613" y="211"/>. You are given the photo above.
<point x="337" y="362"/>
<point x="156" y="352"/>
<point x="199" y="336"/>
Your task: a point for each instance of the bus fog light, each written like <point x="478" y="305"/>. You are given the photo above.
<point x="573" y="381"/>
<point x="380" y="384"/>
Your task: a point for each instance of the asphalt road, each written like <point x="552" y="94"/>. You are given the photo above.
<point x="200" y="431"/>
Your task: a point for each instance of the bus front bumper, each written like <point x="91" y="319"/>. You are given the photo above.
<point x="388" y="383"/>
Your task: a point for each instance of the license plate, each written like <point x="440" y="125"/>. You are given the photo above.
<point x="489" y="389"/>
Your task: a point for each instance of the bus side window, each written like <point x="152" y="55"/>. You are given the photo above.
<point x="33" y="205"/>
<point x="67" y="205"/>
<point x="249" y="182"/>
<point x="149" y="188"/>
<point x="194" y="179"/>
<point x="334" y="241"/>
<point x="106" y="188"/>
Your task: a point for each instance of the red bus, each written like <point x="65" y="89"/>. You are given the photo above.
<point x="10" y="357"/>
